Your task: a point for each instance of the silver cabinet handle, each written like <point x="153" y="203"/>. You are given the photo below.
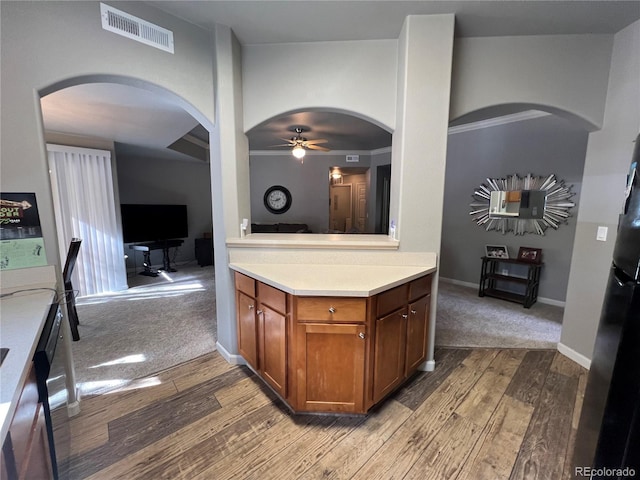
<point x="332" y="310"/>
<point x="250" y="307"/>
<point x="413" y="312"/>
<point x="361" y="335"/>
<point x="259" y="312"/>
<point x="404" y="315"/>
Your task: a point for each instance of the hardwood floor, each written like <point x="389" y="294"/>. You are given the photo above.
<point x="482" y="414"/>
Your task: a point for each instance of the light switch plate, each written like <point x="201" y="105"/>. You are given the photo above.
<point x="602" y="234"/>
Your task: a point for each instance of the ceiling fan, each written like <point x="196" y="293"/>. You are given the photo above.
<point x="300" y="144"/>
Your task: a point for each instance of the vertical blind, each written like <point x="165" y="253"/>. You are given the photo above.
<point x="85" y="207"/>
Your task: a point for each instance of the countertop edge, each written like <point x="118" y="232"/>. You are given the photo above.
<point x="246" y="270"/>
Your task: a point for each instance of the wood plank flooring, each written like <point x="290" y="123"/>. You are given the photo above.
<point x="482" y="414"/>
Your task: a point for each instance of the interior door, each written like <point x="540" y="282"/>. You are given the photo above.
<point x="340" y="207"/>
<point x="361" y="206"/>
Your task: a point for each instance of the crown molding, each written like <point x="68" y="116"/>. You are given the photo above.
<point x="496" y="121"/>
<point x="271" y="153"/>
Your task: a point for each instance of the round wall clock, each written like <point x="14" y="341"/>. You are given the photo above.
<point x="277" y="199"/>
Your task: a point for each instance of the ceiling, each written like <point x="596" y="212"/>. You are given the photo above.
<point x="145" y="123"/>
<point x="278" y="21"/>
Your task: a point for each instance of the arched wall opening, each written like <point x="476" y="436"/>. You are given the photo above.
<point x="354" y="141"/>
<point x="164" y="186"/>
<point x="495" y="142"/>
<point x="109" y="125"/>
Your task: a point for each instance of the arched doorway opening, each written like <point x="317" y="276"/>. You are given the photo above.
<point x="130" y="118"/>
<point x="494" y="143"/>
<point x="350" y="143"/>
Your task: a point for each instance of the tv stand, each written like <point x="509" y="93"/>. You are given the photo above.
<point x="163" y="245"/>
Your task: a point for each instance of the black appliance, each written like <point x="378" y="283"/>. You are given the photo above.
<point x="608" y="437"/>
<point x="42" y="360"/>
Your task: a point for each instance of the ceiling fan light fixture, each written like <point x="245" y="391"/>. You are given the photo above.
<point x="298" y="151"/>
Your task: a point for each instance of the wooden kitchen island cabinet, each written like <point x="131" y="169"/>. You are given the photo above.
<point x="333" y="354"/>
<point x="262" y="324"/>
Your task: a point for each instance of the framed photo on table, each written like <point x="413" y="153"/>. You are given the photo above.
<point x="496" y="251"/>
<point x="530" y="255"/>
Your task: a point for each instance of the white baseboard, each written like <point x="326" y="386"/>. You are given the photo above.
<point x="546" y="301"/>
<point x="73" y="408"/>
<point x="231" y="358"/>
<point x="428" y="366"/>
<point x="575" y="356"/>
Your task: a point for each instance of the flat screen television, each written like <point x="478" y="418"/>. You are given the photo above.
<point x="150" y="223"/>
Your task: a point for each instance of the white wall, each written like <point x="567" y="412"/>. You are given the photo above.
<point x="65" y="41"/>
<point x="230" y="150"/>
<point x="402" y="85"/>
<point x="357" y="77"/>
<point x="567" y="72"/>
<point x="607" y="163"/>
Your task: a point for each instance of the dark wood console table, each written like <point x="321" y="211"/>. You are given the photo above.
<point x="492" y="281"/>
<point x="163" y="245"/>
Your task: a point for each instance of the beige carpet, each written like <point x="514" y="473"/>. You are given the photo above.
<point x="466" y="320"/>
<point x="158" y="323"/>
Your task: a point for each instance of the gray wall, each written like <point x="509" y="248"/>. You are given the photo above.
<point x="540" y="146"/>
<point x="308" y="183"/>
<point x="164" y="181"/>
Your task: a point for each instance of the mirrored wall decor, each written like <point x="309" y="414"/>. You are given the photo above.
<point x="529" y="204"/>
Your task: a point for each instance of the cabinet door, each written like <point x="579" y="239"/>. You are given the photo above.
<point x="247" y="329"/>
<point x="273" y="361"/>
<point x="330" y="367"/>
<point x="389" y="353"/>
<point x="417" y="333"/>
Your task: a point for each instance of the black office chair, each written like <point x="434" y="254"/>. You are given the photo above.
<point x="72" y="256"/>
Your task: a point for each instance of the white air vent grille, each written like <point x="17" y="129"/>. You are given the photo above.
<point x="122" y="23"/>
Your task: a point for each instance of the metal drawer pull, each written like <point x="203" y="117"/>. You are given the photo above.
<point x="361" y="335"/>
<point x="332" y="310"/>
<point x="404" y="315"/>
<point x="413" y="312"/>
<point x="250" y="307"/>
<point x="259" y="312"/>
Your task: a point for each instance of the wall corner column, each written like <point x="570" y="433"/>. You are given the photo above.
<point x="419" y="151"/>
<point x="229" y="175"/>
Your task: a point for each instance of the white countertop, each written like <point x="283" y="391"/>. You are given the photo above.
<point x="332" y="280"/>
<point x="22" y="318"/>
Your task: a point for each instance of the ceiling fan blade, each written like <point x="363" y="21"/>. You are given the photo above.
<point x="319" y="140"/>
<point x="318" y="147"/>
<point x="281" y="145"/>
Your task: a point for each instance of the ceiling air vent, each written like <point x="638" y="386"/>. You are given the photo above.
<point x="122" y="23"/>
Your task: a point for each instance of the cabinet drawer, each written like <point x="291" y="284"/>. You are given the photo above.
<point x="392" y="300"/>
<point x="273" y="297"/>
<point x="246" y="284"/>
<point x="332" y="309"/>
<point x="420" y="287"/>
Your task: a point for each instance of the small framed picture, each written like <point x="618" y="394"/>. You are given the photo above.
<point x="530" y="255"/>
<point x="496" y="251"/>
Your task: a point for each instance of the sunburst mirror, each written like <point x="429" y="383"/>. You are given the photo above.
<point x="528" y="204"/>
